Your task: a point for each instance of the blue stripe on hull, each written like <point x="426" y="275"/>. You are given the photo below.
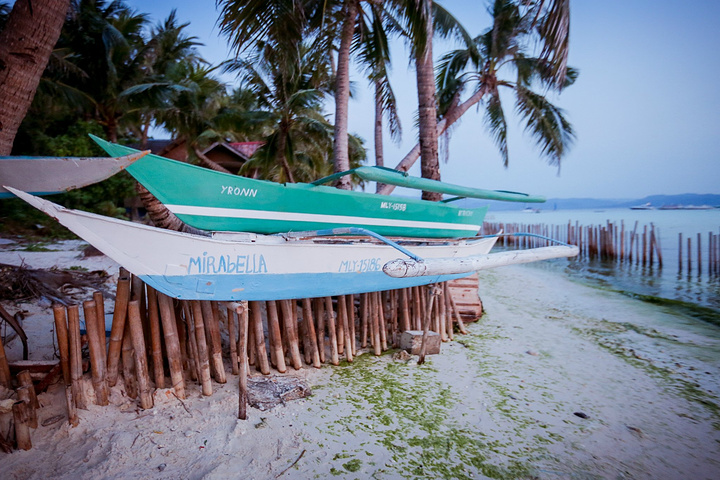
<point x="281" y="287"/>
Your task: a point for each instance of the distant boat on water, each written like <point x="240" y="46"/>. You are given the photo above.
<point x="687" y="207"/>
<point x="646" y="206"/>
<point x="531" y="210"/>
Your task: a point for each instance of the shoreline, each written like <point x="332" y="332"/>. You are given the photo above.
<point x="500" y="402"/>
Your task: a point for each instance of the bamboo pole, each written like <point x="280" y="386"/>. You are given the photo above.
<point x="21" y="418"/>
<point x="243" y="358"/>
<point x="699" y="254"/>
<point x="97" y="353"/>
<point x="128" y="364"/>
<point x="680" y="252"/>
<point x="689" y="254"/>
<point x="155" y="340"/>
<point x="289" y="321"/>
<point x="363" y="320"/>
<point x="138" y="341"/>
<point x="202" y="348"/>
<point x="181" y="329"/>
<point x="426" y="324"/>
<point x="405" y="323"/>
<point x="309" y="322"/>
<point x="343" y="317"/>
<point x="383" y="321"/>
<point x="232" y="333"/>
<point x="257" y="327"/>
<point x="72" y="411"/>
<point x="100" y="317"/>
<point x="26" y="394"/>
<point x="276" y="346"/>
<point x="303" y="335"/>
<point x="212" y="326"/>
<point x="320" y="315"/>
<point x="24" y="380"/>
<point x="375" y="317"/>
<point x="61" y="332"/>
<point x="172" y="344"/>
<point x="76" y="356"/>
<point x="122" y="296"/>
<point x="350" y="303"/>
<point x="192" y="341"/>
<point x="332" y="331"/>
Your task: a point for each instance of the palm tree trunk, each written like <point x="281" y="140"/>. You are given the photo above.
<point x="452" y="116"/>
<point x="209" y="163"/>
<point x="379" y="156"/>
<point x="427" y="113"/>
<point x="342" y="95"/>
<point x="162" y="217"/>
<point x="26" y="42"/>
<point x="282" y="157"/>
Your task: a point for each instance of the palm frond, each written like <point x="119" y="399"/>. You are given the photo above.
<point x="495" y="120"/>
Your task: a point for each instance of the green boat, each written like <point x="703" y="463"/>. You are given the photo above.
<point x="215" y="201"/>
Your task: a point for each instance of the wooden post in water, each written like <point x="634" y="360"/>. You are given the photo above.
<point x="699" y="254"/>
<point x="680" y="252"/>
<point x="689" y="254"/>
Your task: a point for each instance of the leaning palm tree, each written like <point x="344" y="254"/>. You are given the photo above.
<point x="506" y="47"/>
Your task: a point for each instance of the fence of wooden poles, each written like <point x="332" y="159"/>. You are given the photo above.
<point x="639" y="245"/>
<point x="154" y="338"/>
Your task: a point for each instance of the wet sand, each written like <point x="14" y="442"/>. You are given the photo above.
<point x="557" y="380"/>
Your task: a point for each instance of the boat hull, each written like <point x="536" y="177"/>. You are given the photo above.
<point x="50" y="175"/>
<point x="252" y="267"/>
<point x="216" y="201"/>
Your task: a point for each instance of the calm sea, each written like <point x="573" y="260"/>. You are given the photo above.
<point x="668" y="282"/>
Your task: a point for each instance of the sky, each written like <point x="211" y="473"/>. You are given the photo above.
<point x="645" y="108"/>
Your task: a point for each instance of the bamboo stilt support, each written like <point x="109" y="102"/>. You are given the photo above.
<point x="405" y="322"/>
<point x="122" y="296"/>
<point x="76" y="356"/>
<point x="24" y="395"/>
<point x="320" y="315"/>
<point x="213" y="327"/>
<point x="138" y="341"/>
<point x="426" y="324"/>
<point x="257" y="327"/>
<point x="303" y="335"/>
<point x="128" y="364"/>
<point x="288" y="322"/>
<point x="332" y="331"/>
<point x="394" y="317"/>
<point x="97" y="353"/>
<point x="204" y="361"/>
<point x="100" y="317"/>
<point x="181" y="329"/>
<point x="232" y="333"/>
<point x="21" y="417"/>
<point x="72" y="411"/>
<point x="194" y="359"/>
<point x="363" y="320"/>
<point x="172" y="343"/>
<point x="340" y="328"/>
<point x="383" y="322"/>
<point x="61" y="332"/>
<point x="375" y="318"/>
<point x="276" y="346"/>
<point x="310" y="332"/>
<point x="350" y="304"/>
<point x="243" y="356"/>
<point x="343" y="317"/>
<point x="155" y="340"/>
<point x="25" y="380"/>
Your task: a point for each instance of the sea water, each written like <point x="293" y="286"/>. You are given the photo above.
<point x="666" y="282"/>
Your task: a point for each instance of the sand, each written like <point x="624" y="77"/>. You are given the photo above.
<point x="557" y="380"/>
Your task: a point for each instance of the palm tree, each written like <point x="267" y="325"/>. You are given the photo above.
<point x="32" y="28"/>
<point x="502" y="48"/>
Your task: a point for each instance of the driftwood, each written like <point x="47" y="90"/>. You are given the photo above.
<point x="23" y="283"/>
<point x="14" y="322"/>
<point x="265" y="393"/>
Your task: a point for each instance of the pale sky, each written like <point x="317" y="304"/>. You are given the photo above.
<point x="646" y="107"/>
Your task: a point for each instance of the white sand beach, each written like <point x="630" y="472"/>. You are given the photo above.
<point x="557" y="380"/>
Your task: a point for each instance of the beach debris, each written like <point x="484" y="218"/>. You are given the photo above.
<point x="581" y="415"/>
<point x="15" y="321"/>
<point x="23" y="283"/>
<point x="266" y="393"/>
<point x="532" y="352"/>
<point x="401" y="356"/>
<point x="635" y="431"/>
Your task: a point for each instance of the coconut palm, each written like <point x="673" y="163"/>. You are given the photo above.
<point x="32" y="28"/>
<point x="485" y="61"/>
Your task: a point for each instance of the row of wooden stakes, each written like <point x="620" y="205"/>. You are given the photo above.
<point x="152" y="334"/>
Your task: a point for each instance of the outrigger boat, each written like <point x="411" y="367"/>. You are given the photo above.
<point x="50" y="175"/>
<point x="243" y="266"/>
<point x="215" y="201"/>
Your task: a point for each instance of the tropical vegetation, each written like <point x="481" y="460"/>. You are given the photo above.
<point x="112" y="72"/>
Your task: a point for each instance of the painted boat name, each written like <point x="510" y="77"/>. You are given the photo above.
<point x="394" y="206"/>
<point x="241" y="192"/>
<point x="225" y="264"/>
<point x="364" y="265"/>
